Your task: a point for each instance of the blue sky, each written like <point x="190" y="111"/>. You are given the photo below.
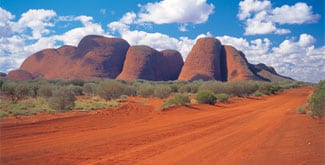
<point x="288" y="35"/>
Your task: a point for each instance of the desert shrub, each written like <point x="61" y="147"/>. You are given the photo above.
<point x="162" y="91"/>
<point x="89" y="89"/>
<point x="124" y="96"/>
<point x="317" y="100"/>
<point x="241" y="88"/>
<point x="129" y="90"/>
<point x="214" y="86"/>
<point x="22" y="90"/>
<point x="236" y="88"/>
<point x="3" y="114"/>
<point x="301" y="109"/>
<point x="45" y="91"/>
<point x="110" y="89"/>
<point x="94" y="103"/>
<point x="191" y="87"/>
<point x="178" y="99"/>
<point x="269" y="88"/>
<point x="206" y="97"/>
<point x="62" y="99"/>
<point x="25" y="107"/>
<point x="222" y="97"/>
<point x="33" y="89"/>
<point x="174" y="87"/>
<point x="145" y="90"/>
<point x="15" y="90"/>
<point x="77" y="82"/>
<point x="257" y="93"/>
<point x="77" y="90"/>
<point x="9" y="89"/>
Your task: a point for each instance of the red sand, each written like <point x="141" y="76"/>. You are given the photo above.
<point x="263" y="130"/>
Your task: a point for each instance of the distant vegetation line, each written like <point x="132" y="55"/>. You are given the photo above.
<point x="40" y="95"/>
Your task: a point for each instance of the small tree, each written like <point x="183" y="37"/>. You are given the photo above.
<point x="206" y="97"/>
<point x="89" y="89"/>
<point x="317" y="100"/>
<point x="62" y="99"/>
<point x="178" y="99"/>
<point x="145" y="90"/>
<point x="45" y="91"/>
<point x="9" y="89"/>
<point x="110" y="89"/>
<point x="22" y="90"/>
<point x="162" y="91"/>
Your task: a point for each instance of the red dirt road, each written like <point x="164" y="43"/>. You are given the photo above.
<point x="266" y="130"/>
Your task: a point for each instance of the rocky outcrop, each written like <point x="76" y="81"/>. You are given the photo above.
<point x="2" y="75"/>
<point x="19" y="74"/>
<point x="209" y="60"/>
<point x="237" y="65"/>
<point x="102" y="57"/>
<point x="171" y="64"/>
<point x="268" y="73"/>
<point x="204" y="61"/>
<point x="143" y="62"/>
<point x="94" y="57"/>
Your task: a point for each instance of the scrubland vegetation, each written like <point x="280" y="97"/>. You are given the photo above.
<point x="31" y="97"/>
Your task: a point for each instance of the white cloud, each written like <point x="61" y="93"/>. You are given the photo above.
<point x="5" y="18"/>
<point x="37" y="20"/>
<point x="248" y="7"/>
<point x="176" y="11"/>
<point x="261" y="18"/>
<point x="156" y="40"/>
<point x="297" y="14"/>
<point x="296" y="58"/>
<point x="34" y="31"/>
<point x="182" y="27"/>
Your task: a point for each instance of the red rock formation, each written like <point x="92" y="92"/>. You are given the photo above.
<point x="102" y="57"/>
<point x="19" y="74"/>
<point x="264" y="67"/>
<point x="143" y="62"/>
<point x="171" y="65"/>
<point x="95" y="56"/>
<point x="237" y="65"/>
<point x="268" y="73"/>
<point x="204" y="61"/>
<point x="2" y="75"/>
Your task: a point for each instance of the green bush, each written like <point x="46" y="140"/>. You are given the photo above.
<point x="89" y="89"/>
<point x="15" y="90"/>
<point x="206" y="97"/>
<point x="3" y="114"/>
<point x="178" y="99"/>
<point x="93" y="104"/>
<point x="145" y="90"/>
<point x="62" y="99"/>
<point x="257" y="93"/>
<point x="9" y="89"/>
<point x="189" y="87"/>
<point x="162" y="91"/>
<point x="317" y="100"/>
<point x="301" y="109"/>
<point x="110" y="89"/>
<point x="222" y="97"/>
<point x="77" y="90"/>
<point x="45" y="91"/>
<point x="269" y="88"/>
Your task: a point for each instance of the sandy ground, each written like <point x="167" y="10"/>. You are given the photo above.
<point x="263" y="130"/>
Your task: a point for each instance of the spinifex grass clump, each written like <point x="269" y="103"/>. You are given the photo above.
<point x="206" y="97"/>
<point x="317" y="100"/>
<point x="178" y="99"/>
